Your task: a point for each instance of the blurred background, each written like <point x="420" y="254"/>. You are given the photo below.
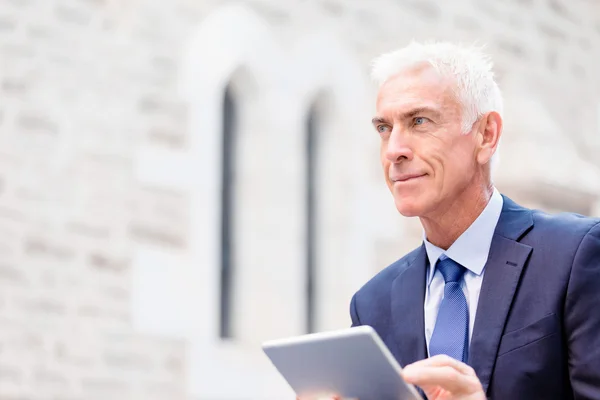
<point x="181" y="180"/>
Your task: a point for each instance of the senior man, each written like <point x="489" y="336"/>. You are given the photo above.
<point x="499" y="301"/>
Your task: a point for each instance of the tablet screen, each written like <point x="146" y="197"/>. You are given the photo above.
<point x="353" y="363"/>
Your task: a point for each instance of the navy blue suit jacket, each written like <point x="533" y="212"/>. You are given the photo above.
<point x="537" y="326"/>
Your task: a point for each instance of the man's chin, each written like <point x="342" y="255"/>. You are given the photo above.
<point x="408" y="208"/>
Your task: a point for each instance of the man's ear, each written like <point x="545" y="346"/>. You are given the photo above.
<point x="488" y="136"/>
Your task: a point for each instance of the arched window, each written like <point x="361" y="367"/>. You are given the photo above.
<point x="311" y="217"/>
<point x="227" y="240"/>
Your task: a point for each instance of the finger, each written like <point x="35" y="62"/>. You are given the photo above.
<point x="446" y="377"/>
<point x="443" y="360"/>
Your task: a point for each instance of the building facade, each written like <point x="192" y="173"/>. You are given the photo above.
<point x="182" y="180"/>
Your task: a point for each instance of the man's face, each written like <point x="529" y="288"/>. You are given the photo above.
<point x="426" y="159"/>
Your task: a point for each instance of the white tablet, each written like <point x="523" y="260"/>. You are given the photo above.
<point x="352" y="363"/>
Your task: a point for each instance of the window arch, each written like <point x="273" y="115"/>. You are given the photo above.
<point x="227" y="234"/>
<point x="311" y="240"/>
<point x="238" y="208"/>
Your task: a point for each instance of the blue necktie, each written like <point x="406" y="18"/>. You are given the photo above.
<point x="451" y="333"/>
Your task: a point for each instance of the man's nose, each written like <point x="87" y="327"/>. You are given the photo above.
<point x="398" y="147"/>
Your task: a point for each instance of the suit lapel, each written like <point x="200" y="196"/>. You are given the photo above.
<point x="502" y="274"/>
<point x="408" y="296"/>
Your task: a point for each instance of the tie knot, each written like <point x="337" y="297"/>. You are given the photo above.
<point x="450" y="269"/>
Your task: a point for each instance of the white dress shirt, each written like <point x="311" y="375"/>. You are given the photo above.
<point x="470" y="250"/>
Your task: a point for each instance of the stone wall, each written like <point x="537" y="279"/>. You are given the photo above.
<point x="109" y="143"/>
<point x="76" y="95"/>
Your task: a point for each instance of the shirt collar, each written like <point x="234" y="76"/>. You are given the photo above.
<point x="472" y="248"/>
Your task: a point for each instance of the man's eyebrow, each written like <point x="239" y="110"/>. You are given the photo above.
<point x="420" y="110"/>
<point x="378" y="120"/>
<point x="409" y="114"/>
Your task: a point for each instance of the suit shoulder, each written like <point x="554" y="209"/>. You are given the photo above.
<point x="385" y="277"/>
<point x="563" y="232"/>
<point x="575" y="225"/>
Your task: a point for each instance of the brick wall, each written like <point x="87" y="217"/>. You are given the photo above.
<point x="81" y="83"/>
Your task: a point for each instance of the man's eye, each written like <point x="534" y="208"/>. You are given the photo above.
<point x="382" y="128"/>
<point x="420" y="120"/>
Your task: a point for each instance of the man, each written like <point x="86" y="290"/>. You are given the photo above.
<point x="511" y="292"/>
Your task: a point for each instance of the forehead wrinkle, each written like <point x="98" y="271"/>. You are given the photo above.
<point x="408" y="82"/>
<point x="396" y="104"/>
<point x="407" y="109"/>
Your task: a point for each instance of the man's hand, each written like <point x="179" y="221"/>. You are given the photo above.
<point x="444" y="378"/>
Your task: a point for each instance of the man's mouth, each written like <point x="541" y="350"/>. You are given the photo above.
<point x="406" y="177"/>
